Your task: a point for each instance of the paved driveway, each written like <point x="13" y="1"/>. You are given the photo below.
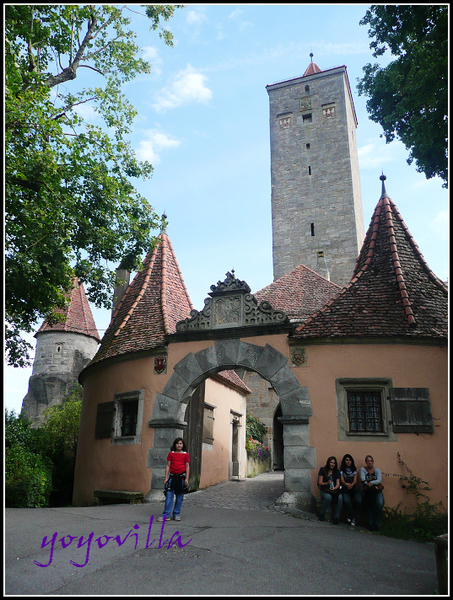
<point x="231" y="541"/>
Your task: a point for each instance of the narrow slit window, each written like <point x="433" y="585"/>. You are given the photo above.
<point x="312" y="227"/>
<point x="309" y="170"/>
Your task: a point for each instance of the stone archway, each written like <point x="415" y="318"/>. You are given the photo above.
<point x="167" y="416"/>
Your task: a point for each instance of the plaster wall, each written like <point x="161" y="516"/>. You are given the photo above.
<point x="407" y="366"/>
<point x="101" y="464"/>
<point x="215" y="463"/>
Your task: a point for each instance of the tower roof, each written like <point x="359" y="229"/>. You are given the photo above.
<point x="79" y="318"/>
<point x="300" y="293"/>
<point x="312" y="67"/>
<point x="153" y="303"/>
<point x="393" y="292"/>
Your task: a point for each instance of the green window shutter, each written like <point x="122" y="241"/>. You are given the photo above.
<point x="411" y="410"/>
<point x="104" y="420"/>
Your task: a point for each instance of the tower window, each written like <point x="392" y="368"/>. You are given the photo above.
<point x="307" y="90"/>
<point x="309" y="170"/>
<point x="307" y="118"/>
<point x="307" y="146"/>
<point x="312" y="228"/>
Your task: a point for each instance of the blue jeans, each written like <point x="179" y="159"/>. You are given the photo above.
<point x="373" y="502"/>
<point x="169" y="504"/>
<point x="352" y="501"/>
<point x="328" y="500"/>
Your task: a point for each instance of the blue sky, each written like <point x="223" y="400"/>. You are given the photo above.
<point x="203" y="122"/>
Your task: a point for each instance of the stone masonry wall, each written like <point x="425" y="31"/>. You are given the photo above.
<point x="316" y="200"/>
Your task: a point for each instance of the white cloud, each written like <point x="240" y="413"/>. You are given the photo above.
<point x="154" y="143"/>
<point x="187" y="87"/>
<point x="151" y="55"/>
<point x="195" y="18"/>
<point x="376" y="153"/>
<point x="440" y="225"/>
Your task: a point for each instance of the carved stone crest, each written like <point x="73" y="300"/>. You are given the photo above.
<point x="231" y="304"/>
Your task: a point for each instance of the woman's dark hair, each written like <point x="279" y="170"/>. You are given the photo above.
<point x="327" y="466"/>
<point x="343" y="463"/>
<point x="179" y="439"/>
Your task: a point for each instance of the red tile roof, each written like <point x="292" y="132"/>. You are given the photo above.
<point x="232" y="379"/>
<point x="299" y="293"/>
<point x="153" y="303"/>
<point x="392" y="292"/>
<point x="79" y="318"/>
<point x="312" y="68"/>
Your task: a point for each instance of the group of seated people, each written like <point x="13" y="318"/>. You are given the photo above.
<point x="340" y="486"/>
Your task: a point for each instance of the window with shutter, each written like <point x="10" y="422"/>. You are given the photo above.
<point x="208" y="424"/>
<point x="363" y="409"/>
<point x="128" y="417"/>
<point x="411" y="410"/>
<point x="104" y="420"/>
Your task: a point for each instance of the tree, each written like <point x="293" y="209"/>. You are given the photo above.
<point x="409" y="97"/>
<point x="70" y="205"/>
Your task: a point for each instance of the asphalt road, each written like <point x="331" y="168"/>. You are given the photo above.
<point x="231" y="541"/>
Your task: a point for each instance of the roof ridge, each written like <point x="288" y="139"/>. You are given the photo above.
<point x="396" y="262"/>
<point x="434" y="278"/>
<point x="168" y="247"/>
<point x="141" y="292"/>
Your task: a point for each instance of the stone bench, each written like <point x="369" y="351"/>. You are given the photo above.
<point x="117" y="497"/>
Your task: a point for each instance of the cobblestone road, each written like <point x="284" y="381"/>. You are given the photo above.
<point x="257" y="493"/>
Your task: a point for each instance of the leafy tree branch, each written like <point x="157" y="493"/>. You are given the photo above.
<point x="71" y="207"/>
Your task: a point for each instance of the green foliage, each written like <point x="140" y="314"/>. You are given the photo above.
<point x="254" y="428"/>
<point x="255" y="431"/>
<point x="411" y="483"/>
<point x="257" y="450"/>
<point x="39" y="463"/>
<point x="70" y="206"/>
<point x="409" y="97"/>
<point x="427" y="522"/>
<point x="28" y="475"/>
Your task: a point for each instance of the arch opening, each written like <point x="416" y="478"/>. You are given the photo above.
<point x="170" y="406"/>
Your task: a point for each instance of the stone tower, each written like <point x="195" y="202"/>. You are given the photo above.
<point x="62" y="350"/>
<point x="317" y="217"/>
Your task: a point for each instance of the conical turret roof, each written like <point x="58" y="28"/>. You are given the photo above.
<point x="392" y="292"/>
<point x="78" y="315"/>
<point x="153" y="303"/>
<point x="312" y="67"/>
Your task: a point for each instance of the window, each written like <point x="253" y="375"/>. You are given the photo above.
<point x="363" y="409"/>
<point x="121" y="420"/>
<point x="307" y="118"/>
<point x="208" y="424"/>
<point x="312" y="229"/>
<point x="129" y="417"/>
<point x="307" y="90"/>
<point x="309" y="170"/>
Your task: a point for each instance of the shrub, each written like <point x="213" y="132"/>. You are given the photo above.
<point x="427" y="522"/>
<point x="257" y="450"/>
<point x="254" y="429"/>
<point x="28" y="478"/>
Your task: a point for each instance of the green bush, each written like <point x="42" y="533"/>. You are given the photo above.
<point x="28" y="478"/>
<point x="427" y="522"/>
<point x="40" y="462"/>
<point x="254" y="429"/>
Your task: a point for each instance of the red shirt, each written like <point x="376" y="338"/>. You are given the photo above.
<point x="178" y="461"/>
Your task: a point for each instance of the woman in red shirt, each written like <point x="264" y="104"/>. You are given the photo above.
<point x="177" y="476"/>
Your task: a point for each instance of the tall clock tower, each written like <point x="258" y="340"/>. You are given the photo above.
<point x="317" y="217"/>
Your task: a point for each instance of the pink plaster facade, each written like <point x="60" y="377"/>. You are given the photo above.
<point x="103" y="465"/>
